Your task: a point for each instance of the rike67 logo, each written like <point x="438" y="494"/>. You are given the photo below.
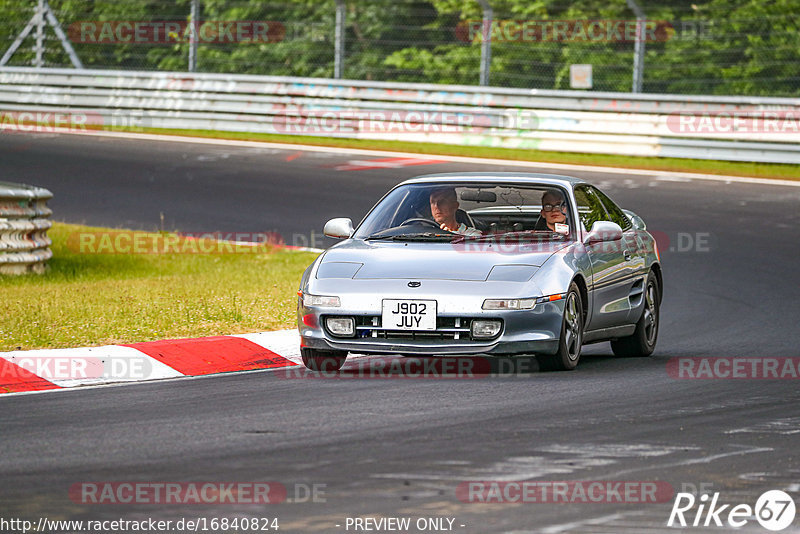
<point x="774" y="510"/>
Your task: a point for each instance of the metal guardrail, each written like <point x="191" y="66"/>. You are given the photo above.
<point x="24" y="221"/>
<point x="568" y="121"/>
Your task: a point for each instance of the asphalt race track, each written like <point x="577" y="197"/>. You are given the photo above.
<point x="401" y="447"/>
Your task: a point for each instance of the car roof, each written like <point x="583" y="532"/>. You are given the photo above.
<point x="505" y="177"/>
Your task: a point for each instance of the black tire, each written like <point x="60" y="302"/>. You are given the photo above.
<point x="320" y="360"/>
<point x="643" y="340"/>
<point x="569" y="344"/>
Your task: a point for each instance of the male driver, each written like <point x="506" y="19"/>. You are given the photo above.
<point x="554" y="211"/>
<point x="444" y="204"/>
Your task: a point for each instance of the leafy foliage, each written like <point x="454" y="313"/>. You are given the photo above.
<point x="737" y="47"/>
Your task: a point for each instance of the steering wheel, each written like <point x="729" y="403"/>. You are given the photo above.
<point x="421" y="220"/>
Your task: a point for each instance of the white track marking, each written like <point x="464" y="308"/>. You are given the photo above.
<point x="512" y="469"/>
<point x="112" y="365"/>
<point x="786" y="426"/>
<point x="580" y="526"/>
<point x="91" y="365"/>
<point x="614" y="450"/>
<point x="283" y="342"/>
<point x="693" y="461"/>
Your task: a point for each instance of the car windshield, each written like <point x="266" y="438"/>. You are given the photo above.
<point x="450" y="211"/>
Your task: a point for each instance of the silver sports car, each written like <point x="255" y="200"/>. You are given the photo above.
<point x="483" y="263"/>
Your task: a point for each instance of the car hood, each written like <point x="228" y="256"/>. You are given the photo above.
<point x="362" y="260"/>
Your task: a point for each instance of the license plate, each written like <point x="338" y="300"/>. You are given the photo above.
<point x="401" y="314"/>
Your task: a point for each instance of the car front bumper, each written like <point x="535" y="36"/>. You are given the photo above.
<point x="534" y="331"/>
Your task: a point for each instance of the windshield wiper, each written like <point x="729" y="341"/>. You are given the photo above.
<point x="419" y="236"/>
<point x="425" y="236"/>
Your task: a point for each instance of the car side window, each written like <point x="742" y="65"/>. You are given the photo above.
<point x="590" y="207"/>
<point x="614" y="211"/>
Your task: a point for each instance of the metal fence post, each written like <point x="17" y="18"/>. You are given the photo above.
<point x="486" y="42"/>
<point x="51" y="18"/>
<point x="193" y="36"/>
<point x="338" y="46"/>
<point x="43" y="11"/>
<point x="638" y="46"/>
<point x="39" y="47"/>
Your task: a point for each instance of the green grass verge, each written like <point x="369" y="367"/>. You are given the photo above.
<point x="97" y="299"/>
<point x="758" y="170"/>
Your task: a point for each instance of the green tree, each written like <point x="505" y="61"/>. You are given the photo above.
<point x="737" y="47"/>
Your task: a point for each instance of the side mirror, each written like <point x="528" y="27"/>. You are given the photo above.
<point x="341" y="227"/>
<point x="603" y="231"/>
<point x="636" y="221"/>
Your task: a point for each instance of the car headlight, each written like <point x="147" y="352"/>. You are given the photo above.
<point x="518" y="304"/>
<point x="508" y="304"/>
<point x="484" y="329"/>
<point x="322" y="301"/>
<point x="340" y="326"/>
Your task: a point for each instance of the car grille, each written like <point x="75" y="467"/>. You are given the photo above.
<point x="447" y="328"/>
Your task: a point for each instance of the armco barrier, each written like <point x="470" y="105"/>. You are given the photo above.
<point x="746" y="128"/>
<point x="24" y="245"/>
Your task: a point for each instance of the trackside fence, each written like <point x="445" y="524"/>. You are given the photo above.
<point x="678" y="126"/>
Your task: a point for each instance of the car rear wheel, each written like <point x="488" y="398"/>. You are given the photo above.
<point x="643" y="340"/>
<point x="320" y="360"/>
<point x="569" y="344"/>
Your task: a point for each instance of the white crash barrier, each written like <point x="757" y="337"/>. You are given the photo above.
<point x="24" y="221"/>
<point x="679" y="126"/>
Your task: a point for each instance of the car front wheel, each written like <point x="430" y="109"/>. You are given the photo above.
<point x="569" y="345"/>
<point x="320" y="360"/>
